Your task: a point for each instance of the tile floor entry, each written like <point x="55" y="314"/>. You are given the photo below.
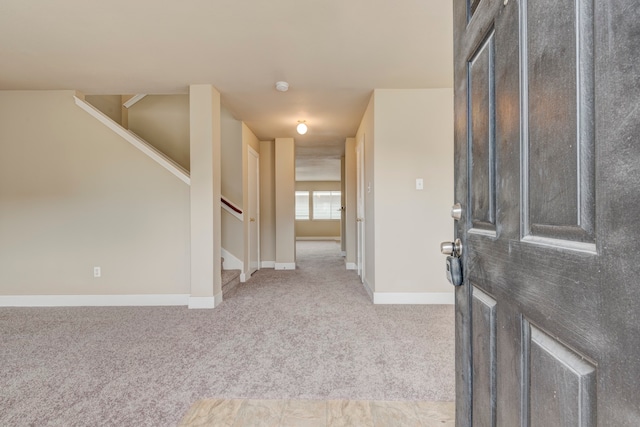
<point x="311" y="413"/>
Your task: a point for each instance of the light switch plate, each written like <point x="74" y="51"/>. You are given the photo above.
<point x="419" y="184"/>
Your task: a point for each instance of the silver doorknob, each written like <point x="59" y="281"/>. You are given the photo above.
<point x="456" y="211"/>
<point x="451" y="248"/>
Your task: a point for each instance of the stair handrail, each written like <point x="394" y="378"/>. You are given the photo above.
<point x="230" y="207"/>
<point x="133" y="100"/>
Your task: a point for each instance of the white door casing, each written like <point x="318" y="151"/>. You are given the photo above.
<point x="253" y="210"/>
<point x="360" y="238"/>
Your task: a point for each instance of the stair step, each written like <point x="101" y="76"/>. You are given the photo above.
<point x="230" y="279"/>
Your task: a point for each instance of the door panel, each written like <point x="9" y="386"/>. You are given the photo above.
<point x="547" y="150"/>
<point x="557" y="90"/>
<point x="559" y="384"/>
<point x="482" y="195"/>
<point x="483" y="342"/>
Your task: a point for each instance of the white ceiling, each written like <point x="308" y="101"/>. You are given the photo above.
<point x="333" y="53"/>
<point x="317" y="169"/>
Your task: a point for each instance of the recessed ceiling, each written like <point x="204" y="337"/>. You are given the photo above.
<point x="333" y="53"/>
<point x="318" y="169"/>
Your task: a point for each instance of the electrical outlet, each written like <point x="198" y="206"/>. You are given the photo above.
<point x="97" y="272"/>
<point x="419" y="184"/>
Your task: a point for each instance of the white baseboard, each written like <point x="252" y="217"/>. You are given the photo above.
<point x="352" y="266"/>
<point x="93" y="300"/>
<point x="335" y="238"/>
<point x="414" y="298"/>
<point x="231" y="262"/>
<point x="268" y="264"/>
<point x="202" y="302"/>
<point x="285" y="266"/>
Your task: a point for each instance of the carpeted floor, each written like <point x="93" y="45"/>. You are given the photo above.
<point x="312" y="333"/>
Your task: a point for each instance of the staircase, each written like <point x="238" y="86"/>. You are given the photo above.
<point x="230" y="279"/>
<point x="142" y="145"/>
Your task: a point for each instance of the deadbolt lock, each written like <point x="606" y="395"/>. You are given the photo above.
<point x="456" y="211"/>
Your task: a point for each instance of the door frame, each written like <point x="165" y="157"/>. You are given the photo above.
<point x="253" y="209"/>
<point x="360" y="230"/>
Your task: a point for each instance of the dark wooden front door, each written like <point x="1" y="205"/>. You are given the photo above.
<point x="547" y="155"/>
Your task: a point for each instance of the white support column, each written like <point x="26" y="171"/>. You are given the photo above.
<point x="285" y="170"/>
<point x="267" y="204"/>
<point x="206" y="285"/>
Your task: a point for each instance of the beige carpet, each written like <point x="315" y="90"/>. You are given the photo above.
<point x="311" y="333"/>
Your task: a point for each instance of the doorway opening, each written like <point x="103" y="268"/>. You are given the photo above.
<point x="319" y="200"/>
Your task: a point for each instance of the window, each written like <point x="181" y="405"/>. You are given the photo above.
<point x="302" y="205"/>
<point x="326" y="205"/>
<point x="318" y="205"/>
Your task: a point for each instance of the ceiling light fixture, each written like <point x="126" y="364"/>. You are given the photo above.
<point x="282" y="86"/>
<point x="302" y="127"/>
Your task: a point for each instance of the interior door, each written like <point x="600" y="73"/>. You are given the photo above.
<point x="360" y="208"/>
<point x="254" y="210"/>
<point x="547" y="160"/>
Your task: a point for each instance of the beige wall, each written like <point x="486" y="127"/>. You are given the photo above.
<point x="320" y="230"/>
<point x="366" y="136"/>
<point x="73" y="195"/>
<point x="285" y="203"/>
<point x="236" y="140"/>
<point x="413" y="139"/>
<point x="231" y="168"/>
<point x="249" y="141"/>
<point x="267" y="203"/>
<point x="111" y="105"/>
<point x="163" y="121"/>
<point x="124" y="111"/>
<point x="231" y="173"/>
<point x="317" y="228"/>
<point x="232" y="232"/>
<point x="407" y="134"/>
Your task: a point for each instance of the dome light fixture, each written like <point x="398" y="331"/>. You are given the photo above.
<point x="302" y="127"/>
<point x="282" y="86"/>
